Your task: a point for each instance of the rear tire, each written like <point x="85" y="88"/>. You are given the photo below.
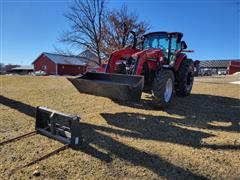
<point x="162" y="89"/>
<point x="184" y="78"/>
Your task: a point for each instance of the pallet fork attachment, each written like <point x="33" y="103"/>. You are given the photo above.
<point x="56" y="125"/>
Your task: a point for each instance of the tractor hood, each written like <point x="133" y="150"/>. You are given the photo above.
<point x="149" y="53"/>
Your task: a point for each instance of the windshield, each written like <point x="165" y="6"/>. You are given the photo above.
<point x="161" y="42"/>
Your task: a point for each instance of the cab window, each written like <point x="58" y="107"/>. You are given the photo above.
<point x="174" y="45"/>
<point x="159" y="42"/>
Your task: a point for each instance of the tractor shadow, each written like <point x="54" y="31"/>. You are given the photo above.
<point x="199" y="110"/>
<point x="202" y="111"/>
<point x="146" y="127"/>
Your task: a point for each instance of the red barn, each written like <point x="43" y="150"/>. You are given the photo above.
<point x="234" y="67"/>
<point x="56" y="64"/>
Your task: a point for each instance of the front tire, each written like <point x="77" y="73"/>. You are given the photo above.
<point x="162" y="89"/>
<point x="184" y="78"/>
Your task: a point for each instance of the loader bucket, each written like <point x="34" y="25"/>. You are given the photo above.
<point x="114" y="86"/>
<point x="56" y="125"/>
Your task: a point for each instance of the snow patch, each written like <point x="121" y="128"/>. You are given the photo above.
<point x="235" y="82"/>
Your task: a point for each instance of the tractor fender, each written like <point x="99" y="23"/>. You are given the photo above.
<point x="179" y="59"/>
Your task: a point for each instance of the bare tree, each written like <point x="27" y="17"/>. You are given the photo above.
<point x="117" y="26"/>
<point x="86" y="19"/>
<point x="63" y="51"/>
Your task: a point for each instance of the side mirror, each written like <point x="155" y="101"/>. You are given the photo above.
<point x="183" y="45"/>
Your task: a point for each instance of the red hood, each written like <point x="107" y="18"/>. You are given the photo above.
<point x="150" y="53"/>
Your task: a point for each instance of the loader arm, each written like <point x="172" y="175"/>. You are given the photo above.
<point x="118" y="55"/>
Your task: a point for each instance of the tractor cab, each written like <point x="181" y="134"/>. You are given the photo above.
<point x="168" y="42"/>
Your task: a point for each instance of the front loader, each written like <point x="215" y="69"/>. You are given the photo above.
<point x="159" y="66"/>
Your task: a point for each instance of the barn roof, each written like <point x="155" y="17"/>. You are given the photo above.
<point x="215" y="64"/>
<point x="89" y="55"/>
<point x="23" y="68"/>
<point x="64" y="59"/>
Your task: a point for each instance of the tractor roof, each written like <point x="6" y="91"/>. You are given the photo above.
<point x="163" y="33"/>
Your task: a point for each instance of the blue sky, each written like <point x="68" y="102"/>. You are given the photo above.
<point x="210" y="27"/>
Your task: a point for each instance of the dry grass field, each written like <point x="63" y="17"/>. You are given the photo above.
<point x="198" y="137"/>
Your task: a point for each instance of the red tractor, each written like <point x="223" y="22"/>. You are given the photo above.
<point x="158" y="66"/>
